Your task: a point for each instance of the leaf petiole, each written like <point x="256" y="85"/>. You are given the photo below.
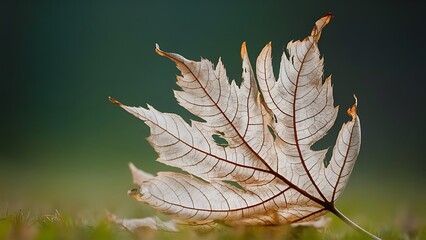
<point x="355" y="226"/>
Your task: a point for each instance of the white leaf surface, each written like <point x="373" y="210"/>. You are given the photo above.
<point x="267" y="128"/>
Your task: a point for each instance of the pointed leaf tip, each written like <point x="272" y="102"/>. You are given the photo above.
<point x="329" y="15"/>
<point x="158" y="50"/>
<point x="243" y="50"/>
<point x="138" y="175"/>
<point x="113" y="100"/>
<point x="319" y="25"/>
<point x="352" y="110"/>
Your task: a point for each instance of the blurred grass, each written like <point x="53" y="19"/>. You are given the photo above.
<point x="69" y="202"/>
<point x="23" y="226"/>
<point x="75" y="199"/>
<point x="380" y="209"/>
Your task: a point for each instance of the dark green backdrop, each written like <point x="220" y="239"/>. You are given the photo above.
<point x="63" y="144"/>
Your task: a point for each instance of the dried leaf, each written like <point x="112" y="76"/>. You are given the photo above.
<point x="250" y="161"/>
<point x="149" y="222"/>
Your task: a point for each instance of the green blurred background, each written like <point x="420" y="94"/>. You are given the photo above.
<point x="64" y="146"/>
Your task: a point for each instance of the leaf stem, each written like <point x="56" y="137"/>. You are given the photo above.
<point x="355" y="226"/>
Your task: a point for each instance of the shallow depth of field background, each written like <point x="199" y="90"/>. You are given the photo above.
<point x="64" y="146"/>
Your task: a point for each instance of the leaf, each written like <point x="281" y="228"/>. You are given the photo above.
<point x="250" y="161"/>
<point x="151" y="223"/>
